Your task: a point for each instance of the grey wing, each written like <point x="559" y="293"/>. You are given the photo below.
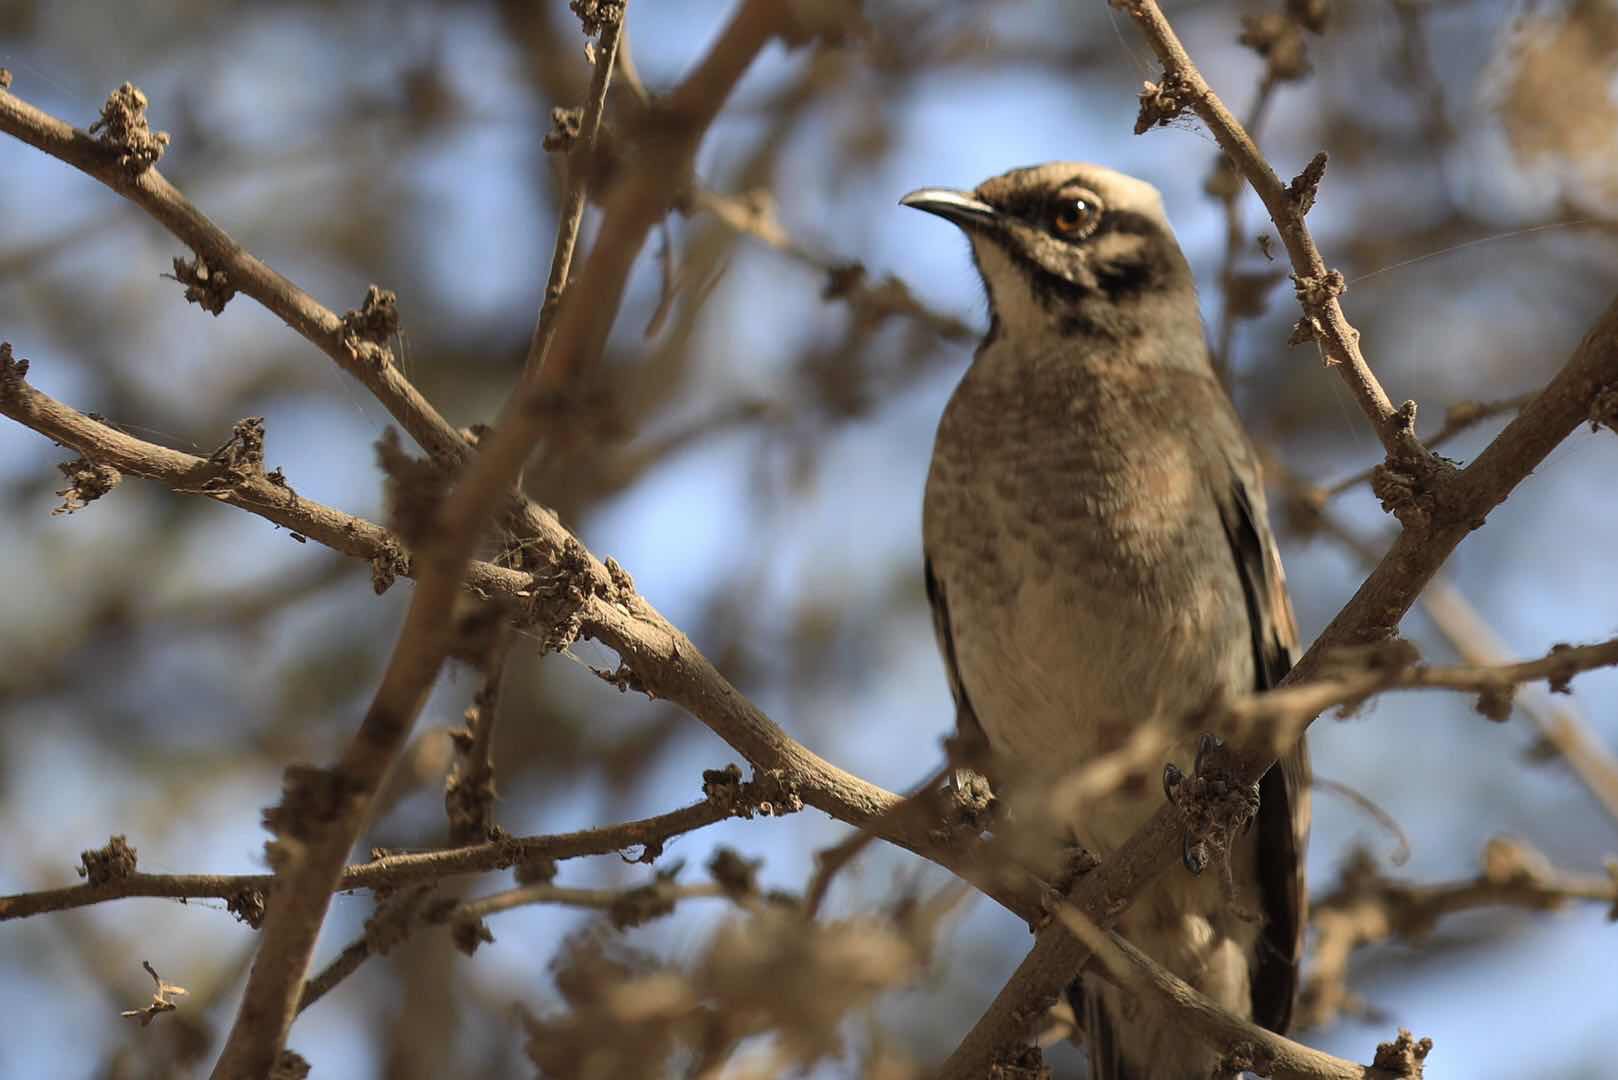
<point x="968" y="731"/>
<point x="1283" y="816"/>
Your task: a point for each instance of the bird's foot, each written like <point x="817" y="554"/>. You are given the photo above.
<point x="1216" y="806"/>
<point x="966" y="805"/>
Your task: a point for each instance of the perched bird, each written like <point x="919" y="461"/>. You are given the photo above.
<point x="1099" y="559"/>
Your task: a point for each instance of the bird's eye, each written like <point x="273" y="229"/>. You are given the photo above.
<point x="1073" y="217"/>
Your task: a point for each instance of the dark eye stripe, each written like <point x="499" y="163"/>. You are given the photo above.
<point x="1129" y="223"/>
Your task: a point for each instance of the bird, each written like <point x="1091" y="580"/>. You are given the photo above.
<point x="1099" y="562"/>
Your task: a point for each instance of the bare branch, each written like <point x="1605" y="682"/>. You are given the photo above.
<point x="580" y="166"/>
<point x="226" y="261"/>
<point x="469" y="792"/>
<point x="1318" y="286"/>
<point x="1245" y="1045"/>
<point x="395" y="870"/>
<point x="1367" y="907"/>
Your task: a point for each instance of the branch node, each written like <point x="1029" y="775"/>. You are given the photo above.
<point x="124" y="130"/>
<point x="5" y="79"/>
<point x="241" y="458"/>
<point x="104" y="865"/>
<point x="1305" y="330"/>
<point x="564" y="133"/>
<point x="1412" y="489"/>
<point x="1562" y="681"/>
<point x="1495" y="703"/>
<point x="1403" y="1057"/>
<point x="1216" y="806"/>
<point x="559" y="597"/>
<point x="769" y="793"/>
<point x="247" y="906"/>
<point x="1246" y="1057"/>
<point x="1312" y="15"/>
<point x="1161" y="104"/>
<point x="1404" y="421"/>
<point x="86" y="482"/>
<point x="621" y="581"/>
<point x="386" y="567"/>
<point x="290" y="1065"/>
<point x="468" y="934"/>
<point x="736" y="875"/>
<point x="366" y="331"/>
<point x="624" y="678"/>
<point x="1020" y="1063"/>
<point x="597" y="15"/>
<point x="209" y="289"/>
<point x="12" y="369"/>
<point x="1316" y="292"/>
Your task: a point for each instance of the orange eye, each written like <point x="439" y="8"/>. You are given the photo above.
<point x="1073" y="217"/>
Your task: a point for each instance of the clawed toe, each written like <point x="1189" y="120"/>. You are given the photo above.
<point x="1194" y="854"/>
<point x="1173" y="777"/>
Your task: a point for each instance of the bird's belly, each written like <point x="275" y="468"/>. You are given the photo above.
<point x="1069" y="680"/>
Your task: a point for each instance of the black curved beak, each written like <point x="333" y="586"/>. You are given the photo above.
<point x="960" y="207"/>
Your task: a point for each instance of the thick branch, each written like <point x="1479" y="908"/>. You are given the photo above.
<point x="664" y="661"/>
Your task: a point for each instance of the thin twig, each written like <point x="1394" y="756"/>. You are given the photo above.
<point x="1318" y="286"/>
<point x="469" y="793"/>
<point x="581" y="163"/>
<point x="397" y="870"/>
<point x="245" y="273"/>
<point x="1561" y="724"/>
<point x="1367" y="907"/>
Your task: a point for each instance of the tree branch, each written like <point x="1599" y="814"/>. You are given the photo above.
<point x="397" y="870"/>
<point x="1318" y="286"/>
<point x="238" y="270"/>
<point x="1244" y="1044"/>
<point x="1367" y="907"/>
<point x="581" y="163"/>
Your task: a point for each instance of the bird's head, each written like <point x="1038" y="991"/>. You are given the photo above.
<point x="1069" y="248"/>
